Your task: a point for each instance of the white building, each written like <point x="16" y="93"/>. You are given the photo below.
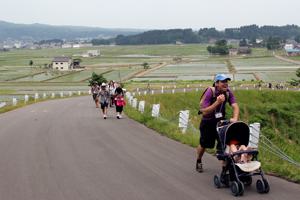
<point x="93" y="53"/>
<point x="62" y="63"/>
<point x="65" y="46"/>
<point x="288" y="46"/>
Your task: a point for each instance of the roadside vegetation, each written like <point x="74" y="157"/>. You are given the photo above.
<point x="276" y="111"/>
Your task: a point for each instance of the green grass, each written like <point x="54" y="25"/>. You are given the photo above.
<point x="277" y="111"/>
<point x="297" y="58"/>
<point x="6" y="91"/>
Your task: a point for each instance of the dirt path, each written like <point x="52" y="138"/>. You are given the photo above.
<point x="143" y="73"/>
<point x="287" y="59"/>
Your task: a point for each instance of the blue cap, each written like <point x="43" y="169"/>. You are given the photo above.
<point x="221" y="77"/>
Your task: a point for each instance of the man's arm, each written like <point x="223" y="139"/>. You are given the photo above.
<point x="212" y="107"/>
<point x="236" y="112"/>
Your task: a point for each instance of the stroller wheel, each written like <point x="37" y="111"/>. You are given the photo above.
<point x="217" y="181"/>
<point x="267" y="186"/>
<point x="234" y="187"/>
<point x="260" y="186"/>
<point x="241" y="188"/>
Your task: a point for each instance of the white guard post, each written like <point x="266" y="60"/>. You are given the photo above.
<point x="162" y="89"/>
<point x="2" y="104"/>
<point x="183" y="120"/>
<point x="44" y="95"/>
<point x="139" y="93"/>
<point x="70" y="93"/>
<point x="197" y="89"/>
<point x="130" y="100"/>
<point x="152" y="92"/>
<point x="133" y="94"/>
<point x="14" y="101"/>
<point x="254" y="135"/>
<point x="36" y="96"/>
<point x="26" y="98"/>
<point x="155" y="110"/>
<point x="142" y="106"/>
<point x="134" y="103"/>
<point x="79" y="93"/>
<point x="173" y="91"/>
<point x="145" y="92"/>
<point x="61" y="94"/>
<point x="184" y="90"/>
<point x="90" y="92"/>
<point x="53" y="95"/>
<point x="128" y="94"/>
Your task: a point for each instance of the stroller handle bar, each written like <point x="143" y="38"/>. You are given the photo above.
<point x="252" y="152"/>
<point x="223" y="122"/>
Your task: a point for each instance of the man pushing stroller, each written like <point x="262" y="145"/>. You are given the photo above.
<point x="212" y="107"/>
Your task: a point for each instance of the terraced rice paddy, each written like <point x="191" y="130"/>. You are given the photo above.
<point x="13" y="73"/>
<point x="190" y="71"/>
<point x="121" y="73"/>
<point x="77" y="76"/>
<point x="267" y="69"/>
<point x="123" y="62"/>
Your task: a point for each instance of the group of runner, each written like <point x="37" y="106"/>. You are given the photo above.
<point x="110" y="94"/>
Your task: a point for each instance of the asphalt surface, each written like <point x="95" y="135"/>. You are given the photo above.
<point x="64" y="150"/>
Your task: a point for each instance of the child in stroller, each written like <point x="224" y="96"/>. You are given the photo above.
<point x="240" y="161"/>
<point x="235" y="146"/>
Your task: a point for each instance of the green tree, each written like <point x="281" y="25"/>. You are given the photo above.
<point x="295" y="82"/>
<point x="97" y="78"/>
<point x="297" y="38"/>
<point x="30" y="62"/>
<point x="145" y="65"/>
<point x="220" y="48"/>
<point x="243" y="43"/>
<point x="298" y="72"/>
<point x="221" y="43"/>
<point x="273" y="43"/>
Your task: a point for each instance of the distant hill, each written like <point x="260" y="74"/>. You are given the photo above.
<point x="204" y="35"/>
<point x="38" y="32"/>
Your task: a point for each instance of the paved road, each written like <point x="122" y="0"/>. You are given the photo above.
<point x="64" y="150"/>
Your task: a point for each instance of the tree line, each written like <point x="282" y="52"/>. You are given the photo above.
<point x="204" y="35"/>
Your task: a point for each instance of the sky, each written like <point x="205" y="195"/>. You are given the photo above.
<point x="152" y="14"/>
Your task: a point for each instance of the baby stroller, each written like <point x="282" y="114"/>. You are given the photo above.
<point x="236" y="175"/>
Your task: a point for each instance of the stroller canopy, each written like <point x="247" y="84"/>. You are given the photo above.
<point x="238" y="131"/>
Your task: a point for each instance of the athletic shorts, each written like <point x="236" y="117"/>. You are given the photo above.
<point x="103" y="105"/>
<point x="208" y="133"/>
<point x="95" y="96"/>
<point x="119" y="109"/>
